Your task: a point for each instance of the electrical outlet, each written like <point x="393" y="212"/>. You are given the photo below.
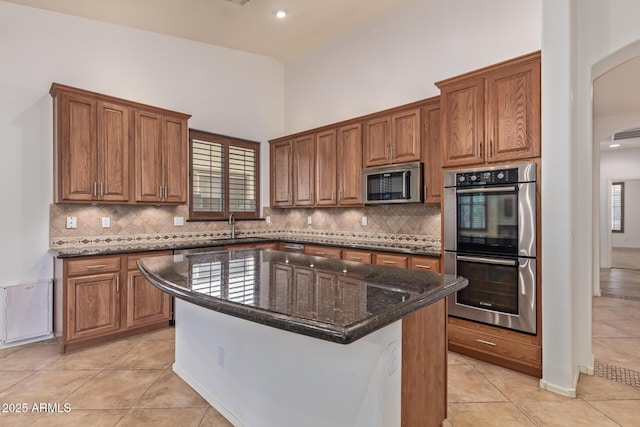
<point x="393" y="357"/>
<point x="221" y="357"/>
<point x="178" y="221"/>
<point x="106" y="222"/>
<point x="72" y="222"/>
<point x="309" y="220"/>
<point x="365" y="220"/>
<point x="268" y="219"/>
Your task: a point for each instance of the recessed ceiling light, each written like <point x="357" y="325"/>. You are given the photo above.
<point x="614" y="145"/>
<point x="280" y="13"/>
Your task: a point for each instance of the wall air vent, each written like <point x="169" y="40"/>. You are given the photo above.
<point x="627" y="134"/>
<point x="240" y="2"/>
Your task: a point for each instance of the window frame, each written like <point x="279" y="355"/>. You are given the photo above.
<point x="621" y="184"/>
<point x="226" y="142"/>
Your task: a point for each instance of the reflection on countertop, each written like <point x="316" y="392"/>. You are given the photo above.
<point x="335" y="300"/>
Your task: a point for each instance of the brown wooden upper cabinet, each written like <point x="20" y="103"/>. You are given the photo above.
<point x="281" y="167"/>
<point x="394" y="137"/>
<point x="91" y="146"/>
<point x="431" y="151"/>
<point x="303" y="170"/>
<point x="492" y="114"/>
<point x="338" y="165"/>
<point x="94" y="156"/>
<point x="318" y="168"/>
<point x="161" y="158"/>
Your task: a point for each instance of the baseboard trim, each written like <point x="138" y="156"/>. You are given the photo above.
<point x="563" y="391"/>
<point x="215" y="403"/>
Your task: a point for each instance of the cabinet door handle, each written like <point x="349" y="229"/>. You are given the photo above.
<point x="118" y="283"/>
<point x="486" y="342"/>
<point x="130" y="282"/>
<point x="490" y="148"/>
<point x="479" y="148"/>
<point x="428" y="267"/>
<point x="391" y="157"/>
<point x="389" y="262"/>
<point x="91" y="267"/>
<point x="95" y="188"/>
<point x="356" y="258"/>
<point x="339" y="195"/>
<point x="333" y="193"/>
<point x="101" y="189"/>
<point x="319" y="253"/>
<point x="425" y="192"/>
<point x="160" y="192"/>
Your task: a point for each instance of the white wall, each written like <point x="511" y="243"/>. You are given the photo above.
<point x="620" y="165"/>
<point x="226" y="91"/>
<point x="398" y="58"/>
<point x="590" y="33"/>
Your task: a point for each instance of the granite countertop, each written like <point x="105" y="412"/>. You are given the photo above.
<point x="333" y="300"/>
<point x="131" y="247"/>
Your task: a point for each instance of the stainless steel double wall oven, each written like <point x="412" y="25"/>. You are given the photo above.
<point x="490" y="239"/>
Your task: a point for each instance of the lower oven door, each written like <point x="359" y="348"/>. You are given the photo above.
<point x="501" y="290"/>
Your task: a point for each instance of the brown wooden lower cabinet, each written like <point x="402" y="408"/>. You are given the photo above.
<point x="99" y="298"/>
<point x="268" y="245"/>
<point x="323" y="251"/>
<point x="390" y="260"/>
<point x="424" y="263"/>
<point x="357" y="256"/>
<point x="513" y="350"/>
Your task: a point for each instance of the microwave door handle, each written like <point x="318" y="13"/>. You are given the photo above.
<point x="404" y="184"/>
<point x="484" y="260"/>
<point x="510" y="189"/>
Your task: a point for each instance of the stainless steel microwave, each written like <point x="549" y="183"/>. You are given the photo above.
<point x="398" y="183"/>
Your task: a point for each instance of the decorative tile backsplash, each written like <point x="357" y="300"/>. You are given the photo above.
<point x="412" y="224"/>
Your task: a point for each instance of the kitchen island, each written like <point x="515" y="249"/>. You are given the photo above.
<point x="281" y="339"/>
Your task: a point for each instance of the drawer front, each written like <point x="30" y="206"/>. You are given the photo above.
<point x="93" y="265"/>
<point x="324" y="251"/>
<point x="133" y="259"/>
<point x="521" y="352"/>
<point x="392" y="260"/>
<point x="357" y="256"/>
<point x="273" y="245"/>
<point x="425" y="263"/>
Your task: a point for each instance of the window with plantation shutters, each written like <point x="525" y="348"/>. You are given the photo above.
<point x="617" y="207"/>
<point x="224" y="176"/>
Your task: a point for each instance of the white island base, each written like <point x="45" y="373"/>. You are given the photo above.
<point x="259" y="376"/>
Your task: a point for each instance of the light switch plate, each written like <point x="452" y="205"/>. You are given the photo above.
<point x="309" y="220"/>
<point x="178" y="221"/>
<point x="106" y="222"/>
<point x="365" y="220"/>
<point x="268" y="219"/>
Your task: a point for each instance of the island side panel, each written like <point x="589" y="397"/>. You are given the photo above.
<point x="270" y="377"/>
<point x="424" y="366"/>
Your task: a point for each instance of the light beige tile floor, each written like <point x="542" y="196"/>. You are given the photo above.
<point x="130" y="383"/>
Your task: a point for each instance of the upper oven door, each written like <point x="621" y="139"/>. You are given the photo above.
<point x="493" y="219"/>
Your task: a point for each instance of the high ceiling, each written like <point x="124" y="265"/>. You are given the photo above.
<point x="310" y="24"/>
<point x="252" y="27"/>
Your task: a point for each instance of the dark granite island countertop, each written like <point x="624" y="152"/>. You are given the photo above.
<point x="276" y="339"/>
<point x="330" y="299"/>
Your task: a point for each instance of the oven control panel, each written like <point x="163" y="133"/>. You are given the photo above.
<point x="496" y="176"/>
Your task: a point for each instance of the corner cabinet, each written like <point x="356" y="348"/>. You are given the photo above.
<point x="99" y="298"/>
<point x="109" y="150"/>
<point x="493" y="114"/>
